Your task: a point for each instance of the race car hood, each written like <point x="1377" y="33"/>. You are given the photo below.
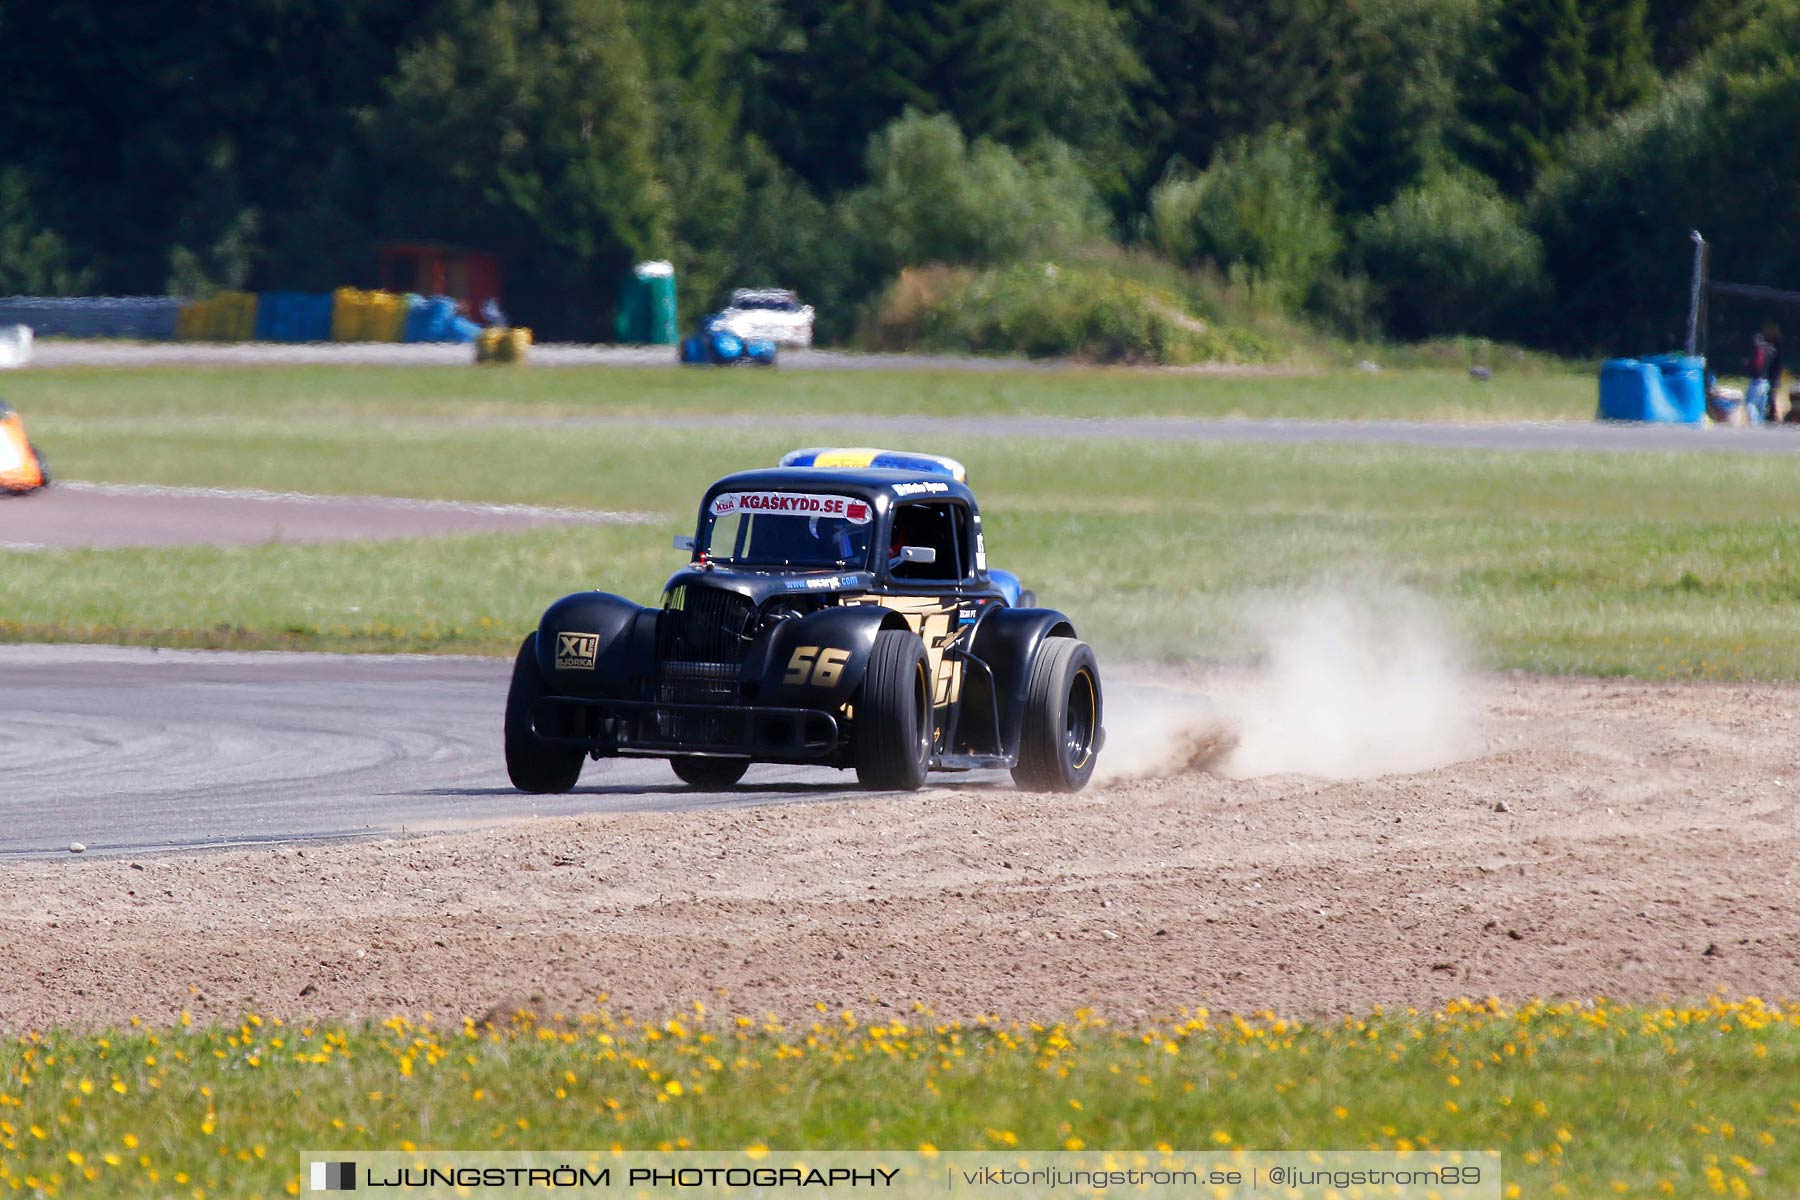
<point x="761" y="586"/>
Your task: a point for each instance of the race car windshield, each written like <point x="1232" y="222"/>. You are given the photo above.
<point x="787" y="540"/>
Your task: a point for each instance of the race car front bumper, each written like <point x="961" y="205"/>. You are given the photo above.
<point x="655" y="728"/>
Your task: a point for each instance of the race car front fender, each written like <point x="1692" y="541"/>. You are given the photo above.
<point x="817" y="661"/>
<point x="595" y="643"/>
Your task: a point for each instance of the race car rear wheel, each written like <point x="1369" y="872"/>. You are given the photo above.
<point x="710" y="773"/>
<point x="1059" y="737"/>
<point x="533" y="764"/>
<point x="891" y="742"/>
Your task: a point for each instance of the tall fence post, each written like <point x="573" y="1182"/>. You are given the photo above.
<point x="1694" y="292"/>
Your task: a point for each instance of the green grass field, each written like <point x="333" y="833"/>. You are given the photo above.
<point x="1582" y="1100"/>
<point x="1645" y="564"/>
<point x="324" y="393"/>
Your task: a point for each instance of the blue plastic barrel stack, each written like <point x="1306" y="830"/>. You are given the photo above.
<point x="1663" y="387"/>
<point x="266" y="316"/>
<point x="293" y="317"/>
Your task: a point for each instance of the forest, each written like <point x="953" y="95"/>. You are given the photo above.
<point x="1168" y="180"/>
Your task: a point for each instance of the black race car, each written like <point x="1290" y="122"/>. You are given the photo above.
<point x="838" y="610"/>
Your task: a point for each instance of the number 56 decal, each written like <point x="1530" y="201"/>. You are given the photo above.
<point x="819" y="667"/>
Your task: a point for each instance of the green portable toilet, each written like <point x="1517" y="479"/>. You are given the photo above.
<point x="647" y="306"/>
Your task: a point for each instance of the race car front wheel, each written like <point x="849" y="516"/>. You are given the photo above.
<point x="891" y="742"/>
<point x="709" y="773"/>
<point x="1059" y="737"/>
<point x="533" y="764"/>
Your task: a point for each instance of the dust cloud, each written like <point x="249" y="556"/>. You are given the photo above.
<point x="1345" y="681"/>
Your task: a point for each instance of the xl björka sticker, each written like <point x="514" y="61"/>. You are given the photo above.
<point x="577" y="651"/>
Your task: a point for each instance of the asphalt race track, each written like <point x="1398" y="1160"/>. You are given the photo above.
<point x="112" y="515"/>
<point x="1591" y="437"/>
<point x="137" y="750"/>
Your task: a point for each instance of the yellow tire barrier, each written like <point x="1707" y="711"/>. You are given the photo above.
<point x="498" y="345"/>
<point x="359" y="316"/>
<point x="226" y="317"/>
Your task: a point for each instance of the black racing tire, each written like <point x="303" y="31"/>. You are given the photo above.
<point x="42" y="462"/>
<point x="1060" y="733"/>
<point x="710" y="774"/>
<point x="891" y="740"/>
<point x="1027" y="598"/>
<point x="533" y="764"/>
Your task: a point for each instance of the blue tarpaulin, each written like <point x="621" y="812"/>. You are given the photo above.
<point x="435" y="319"/>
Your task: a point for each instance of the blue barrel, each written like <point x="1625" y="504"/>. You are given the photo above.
<point x="1684" y="382"/>
<point x="293" y="317"/>
<point x="1668" y="388"/>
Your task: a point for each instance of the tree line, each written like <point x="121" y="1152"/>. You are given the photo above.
<point x="1523" y="169"/>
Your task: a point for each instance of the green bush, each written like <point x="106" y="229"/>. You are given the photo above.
<point x="1046" y="310"/>
<point x="34" y="260"/>
<point x="1259" y="208"/>
<point x="933" y="197"/>
<point x="1452" y="256"/>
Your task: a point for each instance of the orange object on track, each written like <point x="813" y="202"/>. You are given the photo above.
<point x="22" y="468"/>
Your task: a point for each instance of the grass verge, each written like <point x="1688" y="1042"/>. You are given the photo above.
<point x="1653" y="565"/>
<point x="319" y="396"/>
<point x="1582" y="1099"/>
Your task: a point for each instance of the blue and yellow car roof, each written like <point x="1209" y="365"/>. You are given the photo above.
<point x="864" y="457"/>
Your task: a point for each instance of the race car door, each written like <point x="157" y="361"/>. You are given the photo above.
<point x="930" y="595"/>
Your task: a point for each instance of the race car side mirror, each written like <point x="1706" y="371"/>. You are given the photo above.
<point x="918" y="554"/>
<point x="684" y="541"/>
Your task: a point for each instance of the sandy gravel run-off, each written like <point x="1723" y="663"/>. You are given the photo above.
<point x="1648" y="848"/>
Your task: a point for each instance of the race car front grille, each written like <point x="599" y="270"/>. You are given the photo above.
<point x="700" y="648"/>
<point x="697" y="683"/>
<point x="705" y="625"/>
